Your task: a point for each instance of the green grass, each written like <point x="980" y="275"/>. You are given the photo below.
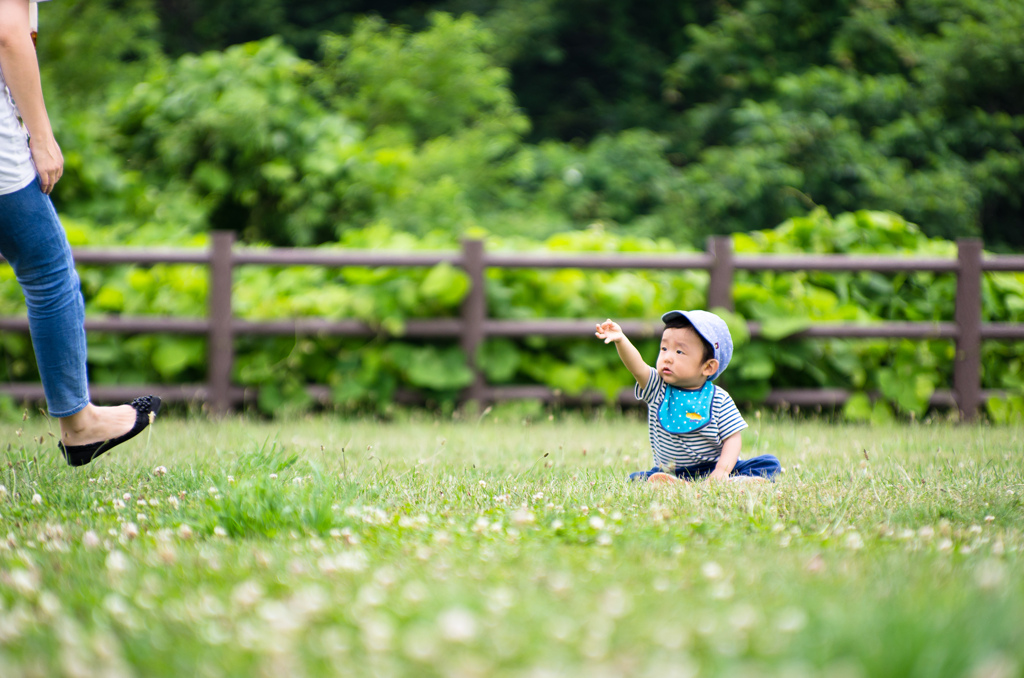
<point x="504" y="547"/>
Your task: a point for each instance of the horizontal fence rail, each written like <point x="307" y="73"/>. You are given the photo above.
<point x="474" y="326"/>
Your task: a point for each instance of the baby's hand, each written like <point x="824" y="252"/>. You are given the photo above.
<point x="609" y="331"/>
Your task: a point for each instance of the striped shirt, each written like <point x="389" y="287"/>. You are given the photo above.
<point x="675" y="450"/>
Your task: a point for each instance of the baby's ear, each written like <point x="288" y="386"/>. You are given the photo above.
<point x="709" y="368"/>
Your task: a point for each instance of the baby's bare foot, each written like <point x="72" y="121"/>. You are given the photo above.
<point x="95" y="424"/>
<point x="663" y="479"/>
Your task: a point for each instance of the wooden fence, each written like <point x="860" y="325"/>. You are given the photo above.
<point x="221" y="327"/>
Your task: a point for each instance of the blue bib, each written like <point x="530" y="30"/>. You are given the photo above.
<point x="686" y="411"/>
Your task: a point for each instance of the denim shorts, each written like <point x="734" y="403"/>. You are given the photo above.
<point x="766" y="466"/>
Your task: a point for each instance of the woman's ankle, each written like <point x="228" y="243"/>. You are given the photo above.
<point x="78" y="422"/>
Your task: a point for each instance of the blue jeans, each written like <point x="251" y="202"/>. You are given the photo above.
<point x="33" y="241"/>
<point x="766" y="466"/>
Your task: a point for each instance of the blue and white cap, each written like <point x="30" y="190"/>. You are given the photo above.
<point x="713" y="329"/>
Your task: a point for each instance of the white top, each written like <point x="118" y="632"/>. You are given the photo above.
<point x="16" y="168"/>
<point x="677" y="450"/>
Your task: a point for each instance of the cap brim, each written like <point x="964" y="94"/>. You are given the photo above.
<point x="672" y="315"/>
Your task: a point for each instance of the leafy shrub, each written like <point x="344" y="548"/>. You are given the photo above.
<point x="367" y="373"/>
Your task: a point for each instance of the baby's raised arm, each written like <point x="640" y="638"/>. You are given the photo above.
<point x="610" y="332"/>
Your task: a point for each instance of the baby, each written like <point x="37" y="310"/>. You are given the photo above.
<point x="694" y="425"/>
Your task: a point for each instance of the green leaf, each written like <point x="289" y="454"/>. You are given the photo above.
<point x="857" y="408"/>
<point x="499" y="359"/>
<point x="774" y="329"/>
<point x="571" y="379"/>
<point x="756" y="367"/>
<point x="881" y="414"/>
<point x="172" y="356"/>
<point x="445" y="285"/>
<point x="439" y="369"/>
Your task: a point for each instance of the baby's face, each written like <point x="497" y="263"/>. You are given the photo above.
<point x="681" y="359"/>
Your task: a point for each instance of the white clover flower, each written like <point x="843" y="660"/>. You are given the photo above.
<point x="348" y="561"/>
<point x="118" y="504"/>
<point x="596" y="523"/>
<point x="23" y="581"/>
<point x="213" y="490"/>
<point x="127" y="497"/>
<point x="220" y="531"/>
<point x="131" y="530"/>
<point x="141" y="502"/>
<point x="990" y="574"/>
<point x="791" y="620"/>
<point x="3" y="492"/>
<point x="457" y="625"/>
<point x="853" y="541"/>
<point x="712" y="570"/>
<point x="604" y="539"/>
<point x="90" y="540"/>
<point x="160" y="471"/>
<point x="173" y="501"/>
<point x="37" y="499"/>
<point x="184" y="531"/>
<point x="117" y="562"/>
<point x="420" y="644"/>
<point x="378" y="632"/>
<point x="167" y="554"/>
<point x="247" y="594"/>
<point x="273" y="476"/>
<point x="523" y="516"/>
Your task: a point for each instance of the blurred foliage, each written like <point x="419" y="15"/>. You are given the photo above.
<point x="662" y="120"/>
<point x="365" y="373"/>
<point x="552" y="124"/>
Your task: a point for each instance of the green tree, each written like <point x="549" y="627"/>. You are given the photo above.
<point x="911" y="107"/>
<point x="439" y="81"/>
<point x="241" y="134"/>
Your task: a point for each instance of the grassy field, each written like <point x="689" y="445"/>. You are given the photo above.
<point x="508" y="547"/>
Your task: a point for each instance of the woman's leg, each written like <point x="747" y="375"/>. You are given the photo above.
<point x="33" y="241"/>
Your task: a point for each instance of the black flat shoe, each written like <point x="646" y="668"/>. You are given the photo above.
<point x="146" y="409"/>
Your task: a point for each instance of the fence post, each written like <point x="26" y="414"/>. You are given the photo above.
<point x="720" y="284"/>
<point x="967" y="364"/>
<point x="220" y="347"/>
<point x="474" y="313"/>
